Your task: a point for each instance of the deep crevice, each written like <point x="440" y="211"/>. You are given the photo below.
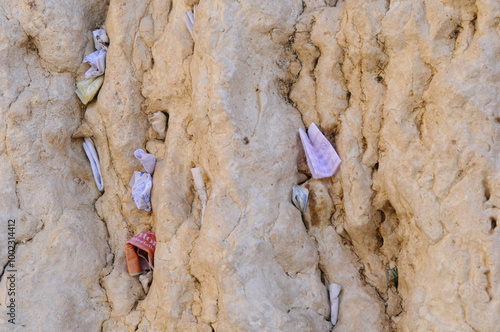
<point x="493" y="222"/>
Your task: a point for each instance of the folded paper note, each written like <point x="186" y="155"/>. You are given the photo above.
<point x="86" y="90"/>
<point x="141" y="184"/>
<point x="299" y="198"/>
<point x="189" y="19"/>
<point x="158" y="121"/>
<point x="200" y="189"/>
<point x="100" y="39"/>
<point x="97" y="61"/>
<point x="91" y="153"/>
<point x="139" y="252"/>
<point x="147" y="160"/>
<point x="322" y="159"/>
<point x="334" y="302"/>
<point x="145" y="281"/>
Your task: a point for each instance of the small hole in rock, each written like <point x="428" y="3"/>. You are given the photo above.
<point x="497" y="120"/>
<point x="455" y="33"/>
<point x="487" y="194"/>
<point x="246" y="140"/>
<point x="376" y="166"/>
<point x="382" y="216"/>
<point x="493" y="223"/>
<point x="379" y="78"/>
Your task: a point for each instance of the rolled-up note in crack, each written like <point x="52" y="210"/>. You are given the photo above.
<point x="334" y="302"/>
<point x="189" y="19"/>
<point x="200" y="189"/>
<point x="88" y="147"/>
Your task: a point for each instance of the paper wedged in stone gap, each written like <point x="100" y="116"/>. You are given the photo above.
<point x="147" y="160"/>
<point x="141" y="184"/>
<point x="91" y="153"/>
<point x="200" y="189"/>
<point x="158" y="121"/>
<point x="97" y="61"/>
<point x="334" y="291"/>
<point x="189" y="19"/>
<point x="87" y="89"/>
<point x="299" y="198"/>
<point x="322" y="159"/>
<point x="100" y="39"/>
<point x="145" y="281"/>
<point x="139" y="252"/>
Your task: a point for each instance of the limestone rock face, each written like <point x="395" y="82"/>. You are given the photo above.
<point x="406" y="91"/>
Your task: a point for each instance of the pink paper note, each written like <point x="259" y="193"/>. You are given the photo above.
<point x="322" y="159"/>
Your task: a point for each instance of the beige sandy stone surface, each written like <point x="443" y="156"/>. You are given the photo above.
<point x="406" y="91"/>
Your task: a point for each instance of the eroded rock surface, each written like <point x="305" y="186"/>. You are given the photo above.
<point x="407" y="92"/>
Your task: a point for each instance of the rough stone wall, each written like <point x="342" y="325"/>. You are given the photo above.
<point x="407" y="92"/>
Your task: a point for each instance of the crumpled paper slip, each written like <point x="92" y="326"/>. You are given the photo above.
<point x="158" y="121"/>
<point x="322" y="159"/>
<point x="139" y="252"/>
<point x="334" y="302"/>
<point x="86" y="90"/>
<point x="299" y="198"/>
<point x="97" y="61"/>
<point x="200" y="189"/>
<point x="91" y="153"/>
<point x="141" y="184"/>
<point x="189" y="19"/>
<point x="145" y="281"/>
<point x="147" y="160"/>
<point x="100" y="39"/>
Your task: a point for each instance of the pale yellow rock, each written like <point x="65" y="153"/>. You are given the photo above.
<point x="406" y="91"/>
<point x="83" y="131"/>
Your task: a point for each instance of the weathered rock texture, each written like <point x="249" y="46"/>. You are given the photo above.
<point x="407" y="91"/>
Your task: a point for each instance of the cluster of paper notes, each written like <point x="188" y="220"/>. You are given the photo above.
<point x="87" y="89"/>
<point x="142" y="182"/>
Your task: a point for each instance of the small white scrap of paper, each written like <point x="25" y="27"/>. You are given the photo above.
<point x="100" y="39"/>
<point x="189" y="19"/>
<point x="200" y="189"/>
<point x="158" y="121"/>
<point x="334" y="302"/>
<point x="299" y="198"/>
<point x="147" y="160"/>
